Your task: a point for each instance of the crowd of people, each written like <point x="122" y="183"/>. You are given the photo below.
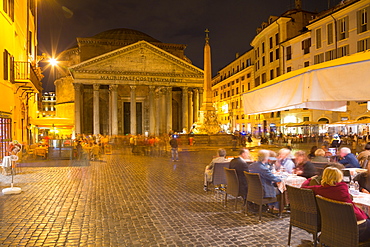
<point x="328" y="184"/>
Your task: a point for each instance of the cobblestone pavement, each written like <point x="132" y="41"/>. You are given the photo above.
<point x="127" y="200"/>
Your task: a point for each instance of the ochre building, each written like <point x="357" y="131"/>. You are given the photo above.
<point x="123" y="81"/>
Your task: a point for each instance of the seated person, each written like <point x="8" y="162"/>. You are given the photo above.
<point x="334" y="188"/>
<point x="319" y="156"/>
<point x="267" y="177"/>
<point x="364" y="155"/>
<point x="284" y="161"/>
<point x="304" y="167"/>
<point x="363" y="180"/>
<point x="208" y="173"/>
<point x="349" y="160"/>
<point x="315" y="180"/>
<point x="335" y="142"/>
<point x="240" y="165"/>
<point x="312" y="154"/>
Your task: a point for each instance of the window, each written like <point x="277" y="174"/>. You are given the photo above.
<point x="243" y="87"/>
<point x="288" y="69"/>
<point x="263" y="47"/>
<point x="263" y="61"/>
<point x="257" y="82"/>
<point x="288" y="53"/>
<point x="249" y="62"/>
<point x="249" y="86"/>
<point x="362" y="20"/>
<point x="306" y="44"/>
<point x="263" y="76"/>
<point x="278" y="114"/>
<point x="272" y="115"/>
<point x="307" y="63"/>
<point x="330" y="55"/>
<point x="271" y="57"/>
<point x="319" y="58"/>
<point x="330" y="33"/>
<point x="277" y="71"/>
<point x="277" y="54"/>
<point x="363" y="45"/>
<point x="242" y="78"/>
<point x="249" y="75"/>
<point x="271" y="43"/>
<point x="277" y="39"/>
<point x="318" y="38"/>
<point x="232" y="92"/>
<point x="343" y="28"/>
<point x="343" y="51"/>
<point x="228" y="93"/>
<point x="237" y="90"/>
<point x="8" y="7"/>
<point x="271" y="74"/>
<point x="306" y="119"/>
<point x="8" y="66"/>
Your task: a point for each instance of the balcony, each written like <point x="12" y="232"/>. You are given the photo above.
<point x="25" y="72"/>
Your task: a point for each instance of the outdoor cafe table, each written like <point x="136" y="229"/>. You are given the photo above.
<point x="290" y="179"/>
<point x="362" y="200"/>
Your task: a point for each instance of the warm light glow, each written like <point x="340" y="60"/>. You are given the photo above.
<point x="53" y="61"/>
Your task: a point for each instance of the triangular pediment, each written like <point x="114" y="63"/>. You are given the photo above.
<point x="138" y="58"/>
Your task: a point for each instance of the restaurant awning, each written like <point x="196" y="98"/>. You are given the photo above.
<point x="324" y="86"/>
<point x="305" y="123"/>
<point x="52" y="122"/>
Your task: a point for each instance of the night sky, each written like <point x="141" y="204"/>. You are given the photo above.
<point x="232" y="23"/>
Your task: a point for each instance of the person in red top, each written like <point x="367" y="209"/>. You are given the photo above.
<point x="334" y="188"/>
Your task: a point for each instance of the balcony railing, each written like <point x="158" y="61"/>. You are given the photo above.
<point x="25" y="72"/>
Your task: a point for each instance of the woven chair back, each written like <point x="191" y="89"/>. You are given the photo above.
<point x="338" y="223"/>
<point x="219" y="176"/>
<point x="232" y="182"/>
<point x="304" y="212"/>
<point x="255" y="189"/>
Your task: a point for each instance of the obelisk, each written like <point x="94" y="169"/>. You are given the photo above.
<point x="207" y="114"/>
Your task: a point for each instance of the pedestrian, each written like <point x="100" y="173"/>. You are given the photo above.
<point x="174" y="148"/>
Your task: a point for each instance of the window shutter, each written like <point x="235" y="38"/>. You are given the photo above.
<point x="346" y="19"/>
<point x="6" y="63"/>
<point x="358" y="21"/>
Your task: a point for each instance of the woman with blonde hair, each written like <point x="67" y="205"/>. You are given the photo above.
<point x="334" y="188"/>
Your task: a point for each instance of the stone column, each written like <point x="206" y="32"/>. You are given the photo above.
<point x="152" y="123"/>
<point x="157" y="115"/>
<point x="162" y="111"/>
<point x="196" y="104"/>
<point x="168" y="109"/>
<point x="114" y="109"/>
<point x="133" y="110"/>
<point x="190" y="108"/>
<point x="201" y="96"/>
<point x="96" y="115"/>
<point x="78" y="108"/>
<point x="185" y="114"/>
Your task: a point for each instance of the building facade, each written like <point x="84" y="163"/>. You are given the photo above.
<point x="19" y="74"/>
<point x="295" y="40"/>
<point x="123" y="81"/>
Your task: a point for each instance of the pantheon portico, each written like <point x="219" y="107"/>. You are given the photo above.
<point x="124" y="81"/>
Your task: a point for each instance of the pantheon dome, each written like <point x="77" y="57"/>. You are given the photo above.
<point x="126" y="35"/>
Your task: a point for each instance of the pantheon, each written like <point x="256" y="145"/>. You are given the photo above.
<point x="123" y="81"/>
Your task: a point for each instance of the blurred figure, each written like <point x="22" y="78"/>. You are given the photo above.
<point x="304" y="167"/>
<point x="240" y="165"/>
<point x="284" y="161"/>
<point x="312" y="155"/>
<point x="208" y="173"/>
<point x="363" y="180"/>
<point x="349" y="160"/>
<point x="363" y="156"/>
<point x="174" y="148"/>
<point x="320" y="156"/>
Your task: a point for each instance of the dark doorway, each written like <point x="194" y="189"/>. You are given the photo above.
<point x="127" y="117"/>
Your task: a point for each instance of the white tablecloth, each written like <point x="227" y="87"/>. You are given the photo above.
<point x="7" y="162"/>
<point x="292" y="180"/>
<point x="362" y="200"/>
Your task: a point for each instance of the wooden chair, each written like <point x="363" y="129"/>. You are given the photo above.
<point x="338" y="224"/>
<point x="219" y="177"/>
<point x="95" y="152"/>
<point x="255" y="192"/>
<point x="40" y="152"/>
<point x="304" y="212"/>
<point x="232" y="185"/>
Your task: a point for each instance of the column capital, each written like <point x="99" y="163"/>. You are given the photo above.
<point x="201" y="90"/>
<point x="151" y="88"/>
<point x="190" y="92"/>
<point x="133" y="88"/>
<point x="113" y="87"/>
<point x="96" y="87"/>
<point x="77" y="86"/>
<point x="196" y="90"/>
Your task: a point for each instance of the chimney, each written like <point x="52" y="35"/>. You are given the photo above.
<point x="298" y="4"/>
<point x="237" y="55"/>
